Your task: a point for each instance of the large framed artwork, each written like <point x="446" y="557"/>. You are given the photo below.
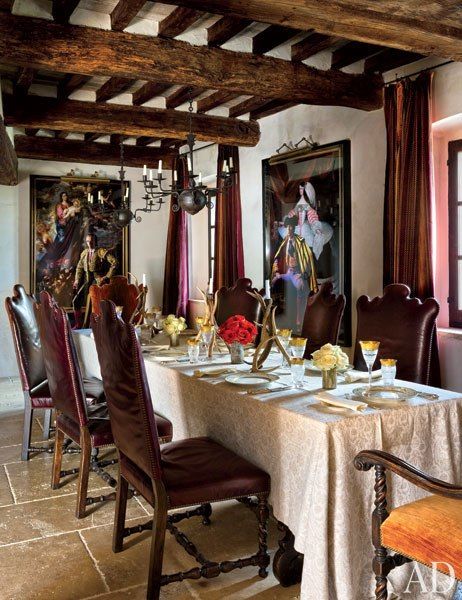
<point x="66" y="237"/>
<point x="307" y="229"/>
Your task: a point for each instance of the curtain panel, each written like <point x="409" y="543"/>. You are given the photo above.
<point x="229" y="251"/>
<point x="176" y="276"/>
<point x="408" y="185"/>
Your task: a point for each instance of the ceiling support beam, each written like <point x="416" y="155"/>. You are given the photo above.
<point x="372" y="22"/>
<point x="311" y="45"/>
<point x="44" y="148"/>
<point x="63" y="9"/>
<point x="225" y="29"/>
<point x="182" y="95"/>
<point x="178" y="21"/>
<point x="24" y="80"/>
<point x="351" y="53"/>
<point x="8" y="159"/>
<point x="389" y="59"/>
<point x="214" y="100"/>
<point x="271" y="37"/>
<point x="149" y="90"/>
<point x="124" y="13"/>
<point x="270" y="108"/>
<point x="75" y="116"/>
<point x="70" y="84"/>
<point x="120" y="54"/>
<point x="145" y="141"/>
<point x="113" y="87"/>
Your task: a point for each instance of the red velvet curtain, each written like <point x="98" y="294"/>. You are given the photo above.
<point x="176" y="277"/>
<point x="229" y="251"/>
<point x="408" y="208"/>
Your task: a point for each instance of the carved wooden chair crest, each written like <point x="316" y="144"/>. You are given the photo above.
<point x="129" y="296"/>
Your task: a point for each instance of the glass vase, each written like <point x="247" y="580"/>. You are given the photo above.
<point x="236" y="351"/>
<point x="329" y="379"/>
<point x="174" y="340"/>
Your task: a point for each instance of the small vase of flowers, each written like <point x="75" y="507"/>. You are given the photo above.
<point x="173" y="326"/>
<point x="237" y="332"/>
<point x="328" y="359"/>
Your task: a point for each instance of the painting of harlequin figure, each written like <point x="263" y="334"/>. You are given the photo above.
<point x="307" y="229"/>
<point x="74" y="241"/>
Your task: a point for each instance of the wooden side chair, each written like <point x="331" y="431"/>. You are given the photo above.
<point x="87" y="426"/>
<point x="127" y="295"/>
<point x="405" y="327"/>
<point x="190" y="472"/>
<point x="236" y="301"/>
<point x="323" y="316"/>
<point x="29" y="356"/>
<point x="427" y="531"/>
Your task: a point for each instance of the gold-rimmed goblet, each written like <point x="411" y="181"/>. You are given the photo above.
<point x="297" y="346"/>
<point x="370" y="349"/>
<point x="207" y="337"/>
<point x="284" y="336"/>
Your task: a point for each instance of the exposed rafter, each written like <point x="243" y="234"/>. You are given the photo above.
<point x="45" y="148"/>
<point x="351" y="53"/>
<point x="225" y="29"/>
<point x="145" y="141"/>
<point x="311" y="45"/>
<point x="214" y="100"/>
<point x="124" y="13"/>
<point x="270" y="108"/>
<point x="32" y="132"/>
<point x="389" y="59"/>
<point x="63" y="9"/>
<point x="182" y="95"/>
<point x="412" y="27"/>
<point x="70" y="84"/>
<point x="24" y="80"/>
<point x="149" y="90"/>
<point x="113" y="87"/>
<point x="178" y="21"/>
<point x="8" y="159"/>
<point x="121" y="54"/>
<point x="92" y="137"/>
<point x="247" y="106"/>
<point x="271" y="37"/>
<point x="72" y="115"/>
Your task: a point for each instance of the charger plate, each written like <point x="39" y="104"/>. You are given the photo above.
<point x="250" y="379"/>
<point x="384" y="393"/>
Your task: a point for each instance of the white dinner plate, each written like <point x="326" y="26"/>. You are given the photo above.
<point x="383" y="393"/>
<point x="249" y="379"/>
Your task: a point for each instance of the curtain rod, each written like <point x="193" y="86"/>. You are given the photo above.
<point x="447" y="62"/>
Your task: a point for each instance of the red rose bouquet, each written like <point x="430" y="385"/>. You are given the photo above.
<point x="237" y="329"/>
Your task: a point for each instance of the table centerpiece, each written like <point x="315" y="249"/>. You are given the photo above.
<point x="237" y="332"/>
<point x="328" y="359"/>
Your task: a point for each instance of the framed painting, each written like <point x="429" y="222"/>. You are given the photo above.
<point x="63" y="230"/>
<point x="307" y="229"/>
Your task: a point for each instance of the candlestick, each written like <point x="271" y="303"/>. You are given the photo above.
<point x="100" y="195"/>
<point x="231" y="162"/>
<point x="175" y="175"/>
<point x="144" y="279"/>
<point x="200" y="178"/>
<point x="189" y="164"/>
<point x="90" y="198"/>
<point x="145" y="170"/>
<point x="159" y="168"/>
<point x="150" y="175"/>
<point x="267" y="288"/>
<point x="126" y="192"/>
<point x="210" y="287"/>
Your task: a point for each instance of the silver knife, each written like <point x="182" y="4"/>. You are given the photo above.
<point x="269" y="390"/>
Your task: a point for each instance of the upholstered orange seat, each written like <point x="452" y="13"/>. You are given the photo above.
<point x="428" y="531"/>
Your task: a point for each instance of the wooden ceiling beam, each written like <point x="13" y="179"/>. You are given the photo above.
<point x="388" y="60"/>
<point x="247" y="106"/>
<point x="92" y="137"/>
<point x="352" y="52"/>
<point x="149" y="90"/>
<point x="214" y="100"/>
<point x="178" y="21"/>
<point x="371" y="22"/>
<point x="63" y="9"/>
<point x="24" y="80"/>
<point x="113" y="87"/>
<point x="76" y="116"/>
<point x="182" y="95"/>
<point x="270" y="108"/>
<point x="6" y="5"/>
<point x="271" y="37"/>
<point x="70" y="84"/>
<point x="116" y="139"/>
<point x="171" y="143"/>
<point x="8" y="158"/>
<point x="225" y="29"/>
<point x="121" y="54"/>
<point x="60" y="134"/>
<point x="311" y="45"/>
<point x="145" y="140"/>
<point x="124" y="13"/>
<point x="31" y="132"/>
<point x="43" y="148"/>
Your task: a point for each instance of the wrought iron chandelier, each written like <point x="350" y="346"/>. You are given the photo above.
<point x="191" y="198"/>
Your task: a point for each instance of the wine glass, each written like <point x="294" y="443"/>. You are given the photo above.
<point x="297" y="368"/>
<point x="369" y="349"/>
<point x="297" y="346"/>
<point x="206" y="336"/>
<point x="284" y="336"/>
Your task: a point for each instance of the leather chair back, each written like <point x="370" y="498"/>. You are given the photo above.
<point x="121" y="293"/>
<point x="236" y="301"/>
<point x="323" y="315"/>
<point x="404" y="326"/>
<point x="127" y="391"/>
<point x="61" y="362"/>
<point x="26" y="338"/>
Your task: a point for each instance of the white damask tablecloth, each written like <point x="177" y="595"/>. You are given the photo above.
<point x="316" y="491"/>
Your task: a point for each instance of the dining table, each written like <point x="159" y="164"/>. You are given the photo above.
<point x="321" y="501"/>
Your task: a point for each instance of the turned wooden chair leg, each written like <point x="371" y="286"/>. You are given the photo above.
<point x="84" y="472"/>
<point x="159" y="526"/>
<point x="263" y="516"/>
<point x="120" y="511"/>
<point x="27" y="429"/>
<point x="47" y="423"/>
<point x="57" y="459"/>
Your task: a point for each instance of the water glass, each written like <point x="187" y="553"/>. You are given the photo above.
<point x="297" y="346"/>
<point x="193" y="350"/>
<point x="388" y="368"/>
<point x="284" y="336"/>
<point x="297" y="368"/>
<point x="207" y="336"/>
<point x="370" y="350"/>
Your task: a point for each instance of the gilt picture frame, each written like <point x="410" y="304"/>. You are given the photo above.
<point x="59" y="225"/>
<point x="307" y="229"/>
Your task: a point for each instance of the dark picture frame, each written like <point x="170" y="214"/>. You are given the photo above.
<point x="307" y="229"/>
<point x="59" y="224"/>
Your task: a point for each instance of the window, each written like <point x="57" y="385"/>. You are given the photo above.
<point x="455" y="233"/>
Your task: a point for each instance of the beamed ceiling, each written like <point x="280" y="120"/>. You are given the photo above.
<point x="125" y="69"/>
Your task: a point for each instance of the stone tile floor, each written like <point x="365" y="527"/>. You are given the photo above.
<point x="46" y="553"/>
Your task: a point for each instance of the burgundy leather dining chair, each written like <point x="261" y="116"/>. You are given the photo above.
<point x="189" y="472"/>
<point x="236" y="301"/>
<point x="323" y="316"/>
<point x="405" y="328"/>
<point x="29" y="356"/>
<point x="87" y="426"/>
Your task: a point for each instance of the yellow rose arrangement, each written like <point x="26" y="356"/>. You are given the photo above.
<point x="173" y="325"/>
<point x="330" y="357"/>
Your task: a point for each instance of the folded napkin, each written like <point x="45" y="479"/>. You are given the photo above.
<point x="212" y="372"/>
<point x="162" y="359"/>
<point x="340" y="402"/>
<point x="353" y="375"/>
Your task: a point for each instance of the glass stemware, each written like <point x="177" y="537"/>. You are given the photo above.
<point x="297" y="346"/>
<point x="284" y="336"/>
<point x="370" y="350"/>
<point x="206" y="336"/>
<point x="297" y="368"/>
<point x="193" y="350"/>
<point x="388" y="367"/>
